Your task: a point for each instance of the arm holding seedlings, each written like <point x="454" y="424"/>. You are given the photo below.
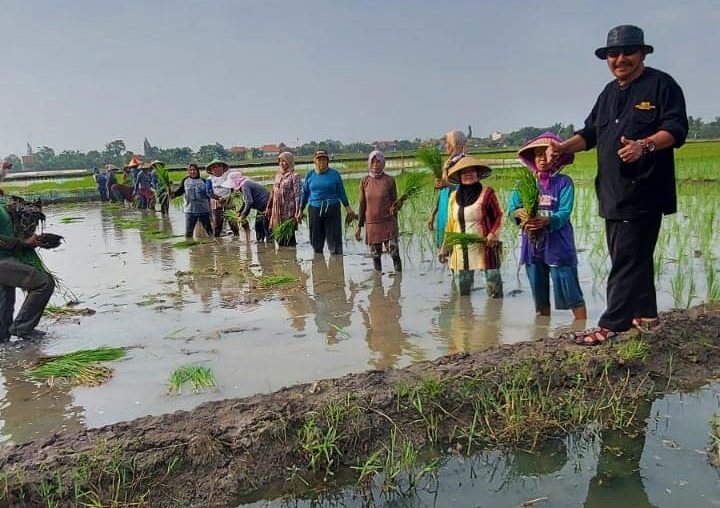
<point x="342" y="196"/>
<point x="494" y="209"/>
<point x="362" y="209"/>
<point x="397" y="204"/>
<point x="304" y="196"/>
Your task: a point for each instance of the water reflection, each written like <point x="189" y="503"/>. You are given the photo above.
<point x="28" y="410"/>
<point x="333" y="305"/>
<point x="381" y="319"/>
<point x="465" y="330"/>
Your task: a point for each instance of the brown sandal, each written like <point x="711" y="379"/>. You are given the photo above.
<point x="594" y="336"/>
<point x="647" y="325"/>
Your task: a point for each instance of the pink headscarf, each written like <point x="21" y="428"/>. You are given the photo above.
<point x="235" y="180"/>
<point x="376" y="154"/>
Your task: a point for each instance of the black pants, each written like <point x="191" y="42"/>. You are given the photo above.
<point x="631" y="283"/>
<point x="218" y="215"/>
<point x="192" y="218"/>
<point x="39" y="288"/>
<point x="262" y="227"/>
<point x="324" y="224"/>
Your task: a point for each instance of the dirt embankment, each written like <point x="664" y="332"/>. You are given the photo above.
<point x="513" y="394"/>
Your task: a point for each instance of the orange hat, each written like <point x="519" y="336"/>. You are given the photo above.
<point x="135" y="161"/>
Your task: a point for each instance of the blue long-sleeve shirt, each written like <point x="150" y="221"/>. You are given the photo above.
<point x="323" y="189"/>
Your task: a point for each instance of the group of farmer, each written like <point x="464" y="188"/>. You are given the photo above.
<point x="635" y="124"/>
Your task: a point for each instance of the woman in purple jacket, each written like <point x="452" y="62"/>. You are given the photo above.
<point x="547" y="248"/>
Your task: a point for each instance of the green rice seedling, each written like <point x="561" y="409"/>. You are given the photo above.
<point x="453" y="239"/>
<point x="184" y="244"/>
<point x="369" y="468"/>
<point x="121" y="223"/>
<point x="79" y="367"/>
<point x="199" y="377"/>
<point x="528" y="191"/>
<point x="634" y="349"/>
<point x="284" y="231"/>
<point x="276" y="280"/>
<point x="56" y="311"/>
<point x="319" y="445"/>
<point x="431" y="157"/>
<point x="157" y="234"/>
<point x="164" y="183"/>
<point x="411" y="185"/>
<point x="715" y="440"/>
<point x="70" y="220"/>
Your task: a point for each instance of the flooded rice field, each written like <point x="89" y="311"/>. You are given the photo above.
<point x="263" y="318"/>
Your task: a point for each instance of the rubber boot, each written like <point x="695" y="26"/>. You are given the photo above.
<point x="397" y="263"/>
<point x="377" y="264"/>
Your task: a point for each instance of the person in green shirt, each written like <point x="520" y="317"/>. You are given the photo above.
<point x="38" y="285"/>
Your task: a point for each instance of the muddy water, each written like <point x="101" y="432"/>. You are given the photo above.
<point x="664" y="466"/>
<point x="204" y="305"/>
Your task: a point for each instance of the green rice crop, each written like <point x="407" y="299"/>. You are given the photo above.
<point x="276" y="280"/>
<point x="198" y="376"/>
<point x="157" y="234"/>
<point x="184" y="244"/>
<point x="79" y="367"/>
<point x="70" y="220"/>
<point x="163" y="177"/>
<point x="453" y="239"/>
<point x="284" y="231"/>
<point x="411" y="184"/>
<point x="528" y="191"/>
<point x="432" y="158"/>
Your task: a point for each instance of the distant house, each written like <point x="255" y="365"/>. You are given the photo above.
<point x="386" y="146"/>
<point x="270" y="150"/>
<point x="497" y="136"/>
<point x="237" y="150"/>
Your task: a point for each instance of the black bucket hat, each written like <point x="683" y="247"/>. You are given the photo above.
<point x="624" y="36"/>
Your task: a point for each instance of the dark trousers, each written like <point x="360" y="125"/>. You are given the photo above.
<point x="218" y="215"/>
<point x="324" y="224"/>
<point x="192" y="218"/>
<point x="262" y="227"/>
<point x="39" y="287"/>
<point x="631" y="282"/>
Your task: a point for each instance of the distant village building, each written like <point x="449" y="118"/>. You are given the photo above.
<point x="237" y="150"/>
<point x="385" y="146"/>
<point x="270" y="150"/>
<point x="497" y="136"/>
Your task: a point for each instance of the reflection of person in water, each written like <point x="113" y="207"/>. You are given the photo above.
<point x="618" y="475"/>
<point x="294" y="297"/>
<point x="463" y="329"/>
<point x="23" y="401"/>
<point x="333" y="307"/>
<point x="382" y="322"/>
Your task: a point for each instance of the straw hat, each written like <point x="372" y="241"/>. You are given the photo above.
<point x="468" y="162"/>
<point x="527" y="153"/>
<point x="146" y="165"/>
<point x="215" y="162"/>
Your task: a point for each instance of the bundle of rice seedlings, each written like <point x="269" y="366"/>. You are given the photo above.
<point x="453" y="239"/>
<point x="32" y="258"/>
<point x="284" y="231"/>
<point x="350" y="218"/>
<point x="431" y="157"/>
<point x="71" y="220"/>
<point x="164" y="183"/>
<point x="59" y="312"/>
<point x="197" y="375"/>
<point x="79" y="367"/>
<point x="411" y="185"/>
<point x="527" y="189"/>
<point x="49" y="240"/>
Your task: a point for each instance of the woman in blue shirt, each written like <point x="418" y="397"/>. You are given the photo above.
<point x="323" y="192"/>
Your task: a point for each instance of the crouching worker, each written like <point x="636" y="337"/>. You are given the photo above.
<point x="15" y="273"/>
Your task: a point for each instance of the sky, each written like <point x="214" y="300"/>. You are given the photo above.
<point x="76" y="75"/>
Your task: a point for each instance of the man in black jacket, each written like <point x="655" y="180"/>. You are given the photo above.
<point x="636" y="123"/>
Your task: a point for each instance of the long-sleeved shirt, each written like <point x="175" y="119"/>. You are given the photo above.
<point x="323" y="189"/>
<point x="143" y="181"/>
<point x="195" y="198"/>
<point x="9" y="243"/>
<point x="256" y="197"/>
<point x="557" y="246"/>
<point x="650" y="103"/>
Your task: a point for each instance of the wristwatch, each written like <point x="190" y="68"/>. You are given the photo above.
<point x="648" y="145"/>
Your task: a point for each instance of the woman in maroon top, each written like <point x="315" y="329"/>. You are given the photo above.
<point x="378" y="211"/>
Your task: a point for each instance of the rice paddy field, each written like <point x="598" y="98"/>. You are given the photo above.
<point x="207" y="320"/>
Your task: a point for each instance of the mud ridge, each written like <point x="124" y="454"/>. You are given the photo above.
<point x="225" y="449"/>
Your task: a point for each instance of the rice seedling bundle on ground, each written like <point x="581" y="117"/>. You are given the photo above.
<point x="276" y="280"/>
<point x="198" y="376"/>
<point x="79" y="367"/>
<point x="59" y="312"/>
<point x="284" y="231"/>
<point x="431" y="157"/>
<point x="453" y="239"/>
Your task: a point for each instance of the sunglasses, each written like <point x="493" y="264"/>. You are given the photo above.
<point x="625" y="50"/>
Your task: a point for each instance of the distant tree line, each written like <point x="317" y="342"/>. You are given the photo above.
<point x="116" y="152"/>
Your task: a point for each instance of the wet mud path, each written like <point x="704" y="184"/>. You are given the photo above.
<point x="516" y="394"/>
